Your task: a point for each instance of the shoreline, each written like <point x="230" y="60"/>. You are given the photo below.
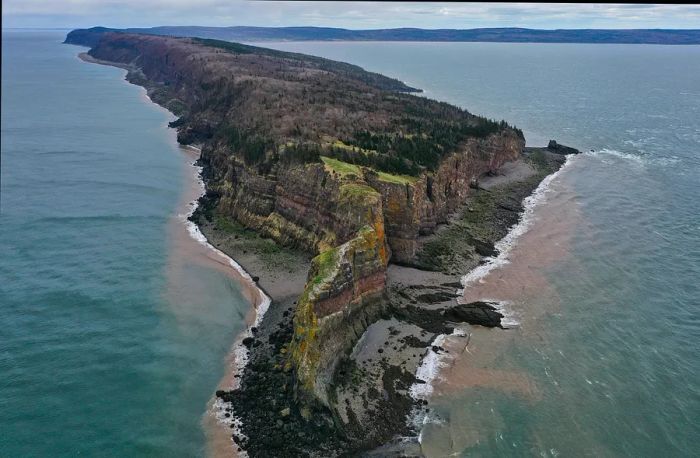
<point x="218" y="427"/>
<point x="446" y="288"/>
<point x="187" y="247"/>
<point x="504" y="246"/>
<point x="217" y="420"/>
<point x="483" y="369"/>
<point x="254" y="369"/>
<point x="434" y="366"/>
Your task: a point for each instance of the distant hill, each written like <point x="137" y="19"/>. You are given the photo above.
<point x="507" y="35"/>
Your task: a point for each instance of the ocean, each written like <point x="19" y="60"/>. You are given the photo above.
<point x="115" y="324"/>
<point x="602" y="288"/>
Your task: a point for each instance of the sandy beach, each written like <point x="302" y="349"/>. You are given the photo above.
<point x="270" y="279"/>
<point x="186" y="247"/>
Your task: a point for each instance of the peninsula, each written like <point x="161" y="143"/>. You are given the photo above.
<point x="357" y="204"/>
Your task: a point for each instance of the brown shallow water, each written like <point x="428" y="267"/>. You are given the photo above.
<point x="477" y="366"/>
<point x="186" y="250"/>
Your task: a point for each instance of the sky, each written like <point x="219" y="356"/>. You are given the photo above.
<point x="353" y="15"/>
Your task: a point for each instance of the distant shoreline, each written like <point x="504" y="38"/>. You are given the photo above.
<point x="482" y="35"/>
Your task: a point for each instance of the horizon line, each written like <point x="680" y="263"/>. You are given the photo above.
<point x="337" y="28"/>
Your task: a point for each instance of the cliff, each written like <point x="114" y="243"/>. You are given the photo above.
<point x="319" y="155"/>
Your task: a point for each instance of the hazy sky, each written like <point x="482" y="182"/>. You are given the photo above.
<point x="144" y="13"/>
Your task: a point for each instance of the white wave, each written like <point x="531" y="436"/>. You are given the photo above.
<point x="510" y="318"/>
<point x="505" y="245"/>
<point x="421" y="418"/>
<point x="219" y="410"/>
<point x="240" y="352"/>
<point x="641" y="159"/>
<point x="197" y="235"/>
<point x="429" y="368"/>
<point x="636" y="158"/>
<point x="428" y="372"/>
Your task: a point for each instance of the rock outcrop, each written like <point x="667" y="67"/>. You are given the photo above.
<point x="557" y="148"/>
<point x="323" y="211"/>
<point x="418" y="207"/>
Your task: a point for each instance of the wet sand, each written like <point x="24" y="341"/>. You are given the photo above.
<point x="282" y="276"/>
<point x="186" y="249"/>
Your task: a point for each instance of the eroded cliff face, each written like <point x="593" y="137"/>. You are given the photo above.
<point x="354" y="219"/>
<point x="357" y="222"/>
<point x="302" y="204"/>
<point x="417" y="208"/>
<point x="341" y="299"/>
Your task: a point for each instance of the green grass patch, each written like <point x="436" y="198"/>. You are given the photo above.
<point x="398" y="179"/>
<point x="232" y="226"/>
<point x="342" y="145"/>
<point x="340" y="167"/>
<point x="326" y="263"/>
<point x="346" y="169"/>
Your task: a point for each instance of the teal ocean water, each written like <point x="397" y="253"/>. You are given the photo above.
<point x="114" y="329"/>
<point x="605" y="287"/>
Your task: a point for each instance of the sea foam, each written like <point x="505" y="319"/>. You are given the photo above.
<point x="428" y="372"/>
<point x="641" y="158"/>
<point x="241" y="353"/>
<point x="432" y="363"/>
<point x="430" y="366"/>
<point x="505" y="245"/>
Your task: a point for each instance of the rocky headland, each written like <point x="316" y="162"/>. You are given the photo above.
<point x="357" y="204"/>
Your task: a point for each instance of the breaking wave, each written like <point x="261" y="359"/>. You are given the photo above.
<point x="240" y="352"/>
<point x="427" y="373"/>
<point x="641" y="158"/>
